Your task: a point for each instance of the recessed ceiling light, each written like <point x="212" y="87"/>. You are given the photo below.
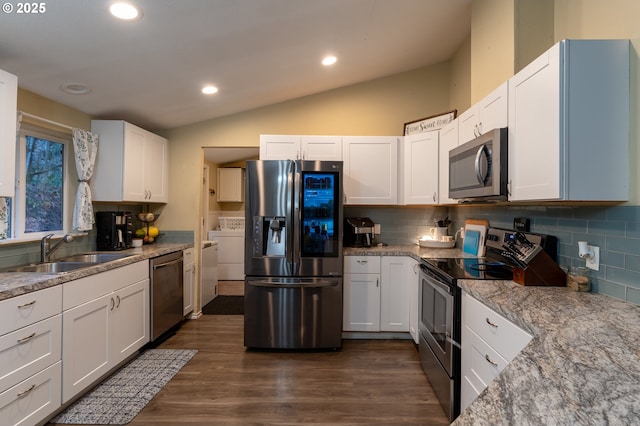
<point x="329" y="60"/>
<point x="209" y="90"/>
<point x="125" y="11"/>
<point x="75" y="88"/>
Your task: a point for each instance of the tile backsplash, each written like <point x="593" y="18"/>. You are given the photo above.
<point x="615" y="229"/>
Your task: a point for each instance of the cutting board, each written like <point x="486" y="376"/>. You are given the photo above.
<point x="480" y="226"/>
<point x="471" y="241"/>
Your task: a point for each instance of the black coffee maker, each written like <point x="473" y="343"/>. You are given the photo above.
<point x="358" y="232"/>
<point x="115" y="230"/>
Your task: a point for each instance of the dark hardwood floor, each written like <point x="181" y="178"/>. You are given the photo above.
<point x="367" y="382"/>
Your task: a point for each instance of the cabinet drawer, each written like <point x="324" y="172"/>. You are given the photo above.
<point x="85" y="289"/>
<point x="501" y="334"/>
<point x="29" y="350"/>
<point x="30" y="308"/>
<point x="32" y="400"/>
<point x="362" y="264"/>
<point x="482" y="364"/>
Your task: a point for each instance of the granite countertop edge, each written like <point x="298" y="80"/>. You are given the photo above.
<point x="582" y="366"/>
<point x="14" y="284"/>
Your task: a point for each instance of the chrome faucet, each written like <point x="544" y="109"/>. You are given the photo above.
<point x="46" y="252"/>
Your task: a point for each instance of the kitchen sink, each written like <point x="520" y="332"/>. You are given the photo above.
<point x="52" y="267"/>
<point x="95" y="257"/>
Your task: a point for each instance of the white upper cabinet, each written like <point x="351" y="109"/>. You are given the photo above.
<point x="131" y="165"/>
<point x="370" y="169"/>
<point x="419" y="171"/>
<point x="448" y="141"/>
<point x="569" y="124"/>
<point x="230" y="185"/>
<point x="490" y="113"/>
<point x="295" y="147"/>
<point x="8" y="109"/>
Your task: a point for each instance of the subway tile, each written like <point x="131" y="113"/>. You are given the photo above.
<point x="623" y="276"/>
<point x="624" y="245"/>
<point x="603" y="227"/>
<point x="632" y="262"/>
<point x="610" y="289"/>
<point x="590" y="212"/>
<point x="632" y="229"/>
<point x="573" y="225"/>
<point x="612" y="258"/>
<point x="625" y="213"/>
<point x="633" y="295"/>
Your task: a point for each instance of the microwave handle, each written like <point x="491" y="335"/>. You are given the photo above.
<point x="483" y="149"/>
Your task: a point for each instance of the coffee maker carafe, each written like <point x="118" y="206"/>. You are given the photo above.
<point x="115" y="230"/>
<point x="358" y="232"/>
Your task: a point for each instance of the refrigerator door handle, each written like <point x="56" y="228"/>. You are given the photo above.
<point x="296" y="218"/>
<point x="293" y="284"/>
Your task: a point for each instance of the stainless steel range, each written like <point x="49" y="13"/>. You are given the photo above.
<point x="440" y="308"/>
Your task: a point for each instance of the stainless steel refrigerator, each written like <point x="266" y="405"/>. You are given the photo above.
<point x="293" y="255"/>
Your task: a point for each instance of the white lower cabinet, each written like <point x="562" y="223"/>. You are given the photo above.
<point x="377" y="293"/>
<point x="30" y="356"/>
<point x="188" y="279"/>
<point x="361" y="300"/>
<point x="489" y="343"/>
<point x="105" y="320"/>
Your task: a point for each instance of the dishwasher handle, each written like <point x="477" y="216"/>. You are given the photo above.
<point x="293" y="284"/>
<point x="162" y="265"/>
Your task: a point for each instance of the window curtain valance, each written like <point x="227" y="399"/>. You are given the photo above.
<point x="85" y="149"/>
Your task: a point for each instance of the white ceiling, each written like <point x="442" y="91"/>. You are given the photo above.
<point x="258" y="52"/>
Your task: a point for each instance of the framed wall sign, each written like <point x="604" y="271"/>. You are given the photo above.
<point x="427" y="124"/>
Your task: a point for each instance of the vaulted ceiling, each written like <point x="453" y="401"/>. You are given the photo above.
<point x="257" y="52"/>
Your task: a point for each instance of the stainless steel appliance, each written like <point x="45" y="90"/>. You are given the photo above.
<point x="478" y="168"/>
<point x="293" y="255"/>
<point x="166" y="274"/>
<point x="114" y="230"/>
<point x="440" y="308"/>
<point x="358" y="232"/>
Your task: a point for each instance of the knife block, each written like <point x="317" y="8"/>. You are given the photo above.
<point x="541" y="270"/>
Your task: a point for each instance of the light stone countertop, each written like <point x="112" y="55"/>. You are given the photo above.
<point x="16" y="283"/>
<point x="582" y="366"/>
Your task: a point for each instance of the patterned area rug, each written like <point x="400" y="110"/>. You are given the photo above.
<point x="118" y="399"/>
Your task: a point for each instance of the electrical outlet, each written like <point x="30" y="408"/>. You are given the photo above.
<point x="376" y="228"/>
<point x="521" y="224"/>
<point x="593" y="262"/>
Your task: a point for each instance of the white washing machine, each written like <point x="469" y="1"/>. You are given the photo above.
<point x="230" y="254"/>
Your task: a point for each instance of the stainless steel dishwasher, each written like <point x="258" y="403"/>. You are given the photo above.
<point x="166" y="293"/>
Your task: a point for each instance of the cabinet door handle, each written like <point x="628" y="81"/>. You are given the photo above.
<point x="434" y="196"/>
<point x="26" y="305"/>
<point x="486" y="357"/>
<point x="24" y="339"/>
<point x="118" y="300"/>
<point x="362" y="261"/>
<point x="21" y="394"/>
<point x="491" y="323"/>
<point x="113" y="304"/>
<point x="377" y="282"/>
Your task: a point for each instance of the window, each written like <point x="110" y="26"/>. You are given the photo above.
<point x="42" y="191"/>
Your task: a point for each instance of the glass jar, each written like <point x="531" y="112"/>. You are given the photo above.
<point x="578" y="278"/>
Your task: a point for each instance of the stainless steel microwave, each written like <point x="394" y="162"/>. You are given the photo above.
<point x="478" y="168"/>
